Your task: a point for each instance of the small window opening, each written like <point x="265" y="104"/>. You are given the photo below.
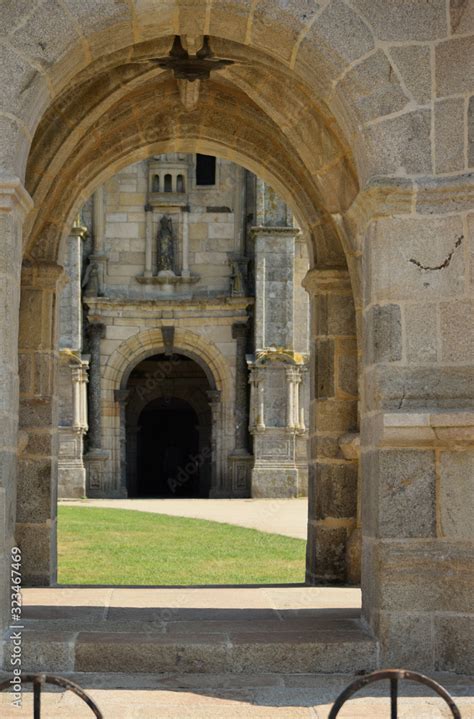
<point x="205" y="170"/>
<point x="156" y="183"/>
<point x="168" y="183"/>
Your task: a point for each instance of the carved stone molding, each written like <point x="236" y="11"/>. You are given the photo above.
<point x="454" y="429"/>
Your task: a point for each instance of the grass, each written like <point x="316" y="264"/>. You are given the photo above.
<point x="114" y="546"/>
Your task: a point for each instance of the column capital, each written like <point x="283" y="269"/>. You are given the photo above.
<point x="14" y="197"/>
<point x="323" y="280"/>
<point x="43" y="275"/>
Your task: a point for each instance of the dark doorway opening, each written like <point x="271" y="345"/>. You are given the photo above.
<point x="168" y="450"/>
<point x="168" y="429"/>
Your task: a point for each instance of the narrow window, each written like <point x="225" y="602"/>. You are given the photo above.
<point x="156" y="183"/>
<point x="168" y="185"/>
<point x="180" y="184"/>
<point x="205" y="170"/>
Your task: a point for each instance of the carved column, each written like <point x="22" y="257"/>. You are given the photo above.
<point x="148" y="240"/>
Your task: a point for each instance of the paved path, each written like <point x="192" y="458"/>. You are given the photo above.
<point x="230" y="696"/>
<point x="278" y="516"/>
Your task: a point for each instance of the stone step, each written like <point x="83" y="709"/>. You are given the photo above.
<point x="202" y="647"/>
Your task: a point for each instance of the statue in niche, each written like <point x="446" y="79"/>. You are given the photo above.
<point x="91" y="281"/>
<point x="165" y="245"/>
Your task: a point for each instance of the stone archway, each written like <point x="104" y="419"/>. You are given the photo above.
<point x="327" y="103"/>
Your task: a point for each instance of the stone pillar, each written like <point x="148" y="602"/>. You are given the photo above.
<point x="148" y="240"/>
<point x="332" y="477"/>
<point x="240" y="459"/>
<point x="417" y="430"/>
<point x="96" y="457"/>
<point x="122" y="396"/>
<point x="37" y="462"/>
<point x="15" y="203"/>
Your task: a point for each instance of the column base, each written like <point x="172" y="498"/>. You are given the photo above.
<point x="241" y="463"/>
<point x="95" y="462"/>
<point x="275" y="482"/>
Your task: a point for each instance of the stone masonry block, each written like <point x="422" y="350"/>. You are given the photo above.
<point x="462" y="17"/>
<point x="383" y="333"/>
<point x="414" y="65"/>
<point x="324" y="368"/>
<point x="457" y="331"/>
<point x="336" y="490"/>
<point x="420" y="259"/>
<point x="406" y="640"/>
<point x="401" y="20"/>
<point x="454" y="66"/>
<point x="454" y="648"/>
<point x="393" y="387"/>
<point x="456" y="495"/>
<point x="422" y="576"/>
<point x="374" y="88"/>
<point x="449" y="135"/>
<point x="400" y="145"/>
<point x="406" y="505"/>
<point x="421" y="329"/>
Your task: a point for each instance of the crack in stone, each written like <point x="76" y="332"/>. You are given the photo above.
<point x="444" y="264"/>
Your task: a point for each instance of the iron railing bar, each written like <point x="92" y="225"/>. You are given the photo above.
<point x="393" y="698"/>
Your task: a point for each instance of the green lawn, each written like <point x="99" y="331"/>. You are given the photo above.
<point x="117" y="546"/>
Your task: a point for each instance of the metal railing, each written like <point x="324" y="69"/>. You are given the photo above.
<point x="40" y="680"/>
<point x="394" y="676"/>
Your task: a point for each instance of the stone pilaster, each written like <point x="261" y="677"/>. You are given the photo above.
<point x="332" y="477"/>
<point x="15" y="203"/>
<point x="416" y="432"/>
<point x="37" y="463"/>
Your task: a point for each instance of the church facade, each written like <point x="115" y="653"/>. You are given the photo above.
<point x="184" y="338"/>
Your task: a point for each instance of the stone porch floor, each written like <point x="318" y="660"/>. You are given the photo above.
<point x="228" y="696"/>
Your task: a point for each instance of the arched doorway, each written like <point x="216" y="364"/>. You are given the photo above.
<point x="168" y="429"/>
